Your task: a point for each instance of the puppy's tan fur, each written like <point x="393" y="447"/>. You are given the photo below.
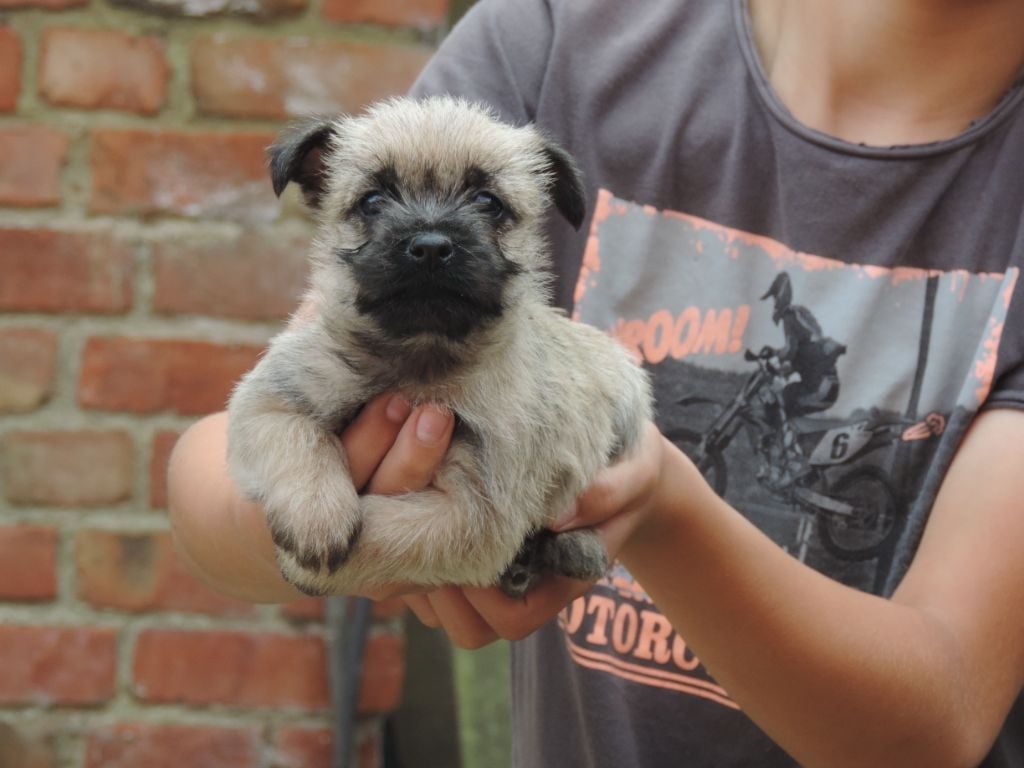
<point x="542" y="403"/>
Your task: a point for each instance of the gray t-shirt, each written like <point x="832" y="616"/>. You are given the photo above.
<point x="881" y="284"/>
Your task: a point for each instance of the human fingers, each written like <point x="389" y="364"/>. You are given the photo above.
<point x="419" y="604"/>
<point x="515" y="618"/>
<point x="367" y="440"/>
<point x="417" y="452"/>
<point x="465" y="627"/>
<point x="624" y="487"/>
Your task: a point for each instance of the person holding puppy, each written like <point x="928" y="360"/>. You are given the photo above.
<point x="872" y="150"/>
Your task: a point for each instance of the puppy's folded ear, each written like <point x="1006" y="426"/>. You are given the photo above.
<point x="298" y="155"/>
<point x="567" y="190"/>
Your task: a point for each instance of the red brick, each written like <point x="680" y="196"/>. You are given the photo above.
<point x="49" y="271"/>
<point x="142" y="572"/>
<point x="27" y="746"/>
<point x="102" y="69"/>
<point x="300" y="747"/>
<point x="57" y="665"/>
<point x="388" y="608"/>
<point x="257" y="277"/>
<point x="275" y="78"/>
<point x="10" y="68"/>
<point x="151" y="745"/>
<point x="67" y="469"/>
<point x="423" y="14"/>
<point x="197" y="175"/>
<point x="383" y="673"/>
<point x="28" y="360"/>
<point x="245" y="669"/>
<point x="163" y="444"/>
<point x="50" y="5"/>
<point x="305" y="609"/>
<point x="31" y="160"/>
<point x="261" y="9"/>
<point x="28" y="562"/>
<point x="150" y="375"/>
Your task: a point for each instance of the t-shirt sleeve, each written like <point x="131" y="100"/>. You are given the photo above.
<point x="497" y="54"/>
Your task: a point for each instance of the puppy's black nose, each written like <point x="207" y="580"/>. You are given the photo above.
<point x="431" y="249"/>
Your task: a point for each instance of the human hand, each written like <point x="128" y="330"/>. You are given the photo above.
<point x="616" y="504"/>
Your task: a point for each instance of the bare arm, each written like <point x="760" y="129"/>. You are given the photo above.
<point x="837" y="677"/>
<point x="224" y="538"/>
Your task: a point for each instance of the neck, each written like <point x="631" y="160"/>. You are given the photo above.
<point x="885" y="72"/>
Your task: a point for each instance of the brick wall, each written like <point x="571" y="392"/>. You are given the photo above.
<point x="144" y="262"/>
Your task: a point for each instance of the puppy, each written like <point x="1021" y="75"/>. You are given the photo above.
<point x="430" y="279"/>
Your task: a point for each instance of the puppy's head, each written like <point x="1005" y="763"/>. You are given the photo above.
<point x="430" y="211"/>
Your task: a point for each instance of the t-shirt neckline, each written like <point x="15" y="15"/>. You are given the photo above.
<point x="781" y="113"/>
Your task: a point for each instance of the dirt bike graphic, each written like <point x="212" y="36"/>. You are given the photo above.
<point x="856" y="511"/>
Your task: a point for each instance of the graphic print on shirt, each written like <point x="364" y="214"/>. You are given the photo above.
<point x="816" y="396"/>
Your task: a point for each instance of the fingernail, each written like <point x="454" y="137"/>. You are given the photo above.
<point x="567" y="518"/>
<point x="398" y="409"/>
<point x="432" y="424"/>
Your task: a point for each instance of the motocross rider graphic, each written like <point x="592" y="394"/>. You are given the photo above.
<point x="806" y="382"/>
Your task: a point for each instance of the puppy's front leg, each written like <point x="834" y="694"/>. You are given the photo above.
<point x="450" y="533"/>
<point x="297" y="471"/>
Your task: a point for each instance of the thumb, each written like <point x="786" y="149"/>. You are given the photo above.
<point x="596" y="504"/>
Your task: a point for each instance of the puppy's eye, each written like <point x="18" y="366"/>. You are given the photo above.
<point x="490" y="204"/>
<point x="372" y="204"/>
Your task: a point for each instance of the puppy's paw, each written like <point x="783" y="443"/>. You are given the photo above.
<point x="578" y="554"/>
<point x="314" y="529"/>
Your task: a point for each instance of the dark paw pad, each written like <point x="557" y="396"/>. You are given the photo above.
<point x="316" y="556"/>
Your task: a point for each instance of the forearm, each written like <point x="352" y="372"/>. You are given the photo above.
<point x="221" y="536"/>
<point x="835" y="676"/>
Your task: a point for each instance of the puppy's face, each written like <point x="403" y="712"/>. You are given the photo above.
<point x="430" y="211"/>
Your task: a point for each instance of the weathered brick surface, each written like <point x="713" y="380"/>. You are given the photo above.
<point x="32" y="158"/>
<point x="67" y="469"/>
<point x="383" y="673"/>
<point x="423" y="14"/>
<point x="28" y="359"/>
<point x="102" y="69"/>
<point x="304" y="747"/>
<point x="51" y="271"/>
<point x="50" y="5"/>
<point x="248" y="669"/>
<point x="142" y="572"/>
<point x="10" y="68"/>
<point x="305" y="609"/>
<point x="163" y="444"/>
<point x="259" y="276"/>
<point x="280" y="77"/>
<point x="143" y="262"/>
<point x="57" y="665"/>
<point x="27" y="746"/>
<point x="263" y="9"/>
<point x="300" y="747"/>
<point x="149" y="375"/>
<point x="191" y="174"/>
<point x="149" y="745"/>
<point x="28" y="562"/>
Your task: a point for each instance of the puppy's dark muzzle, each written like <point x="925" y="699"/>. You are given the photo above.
<point x="430" y="251"/>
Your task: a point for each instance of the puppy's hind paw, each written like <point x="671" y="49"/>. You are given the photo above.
<point x="578" y="554"/>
